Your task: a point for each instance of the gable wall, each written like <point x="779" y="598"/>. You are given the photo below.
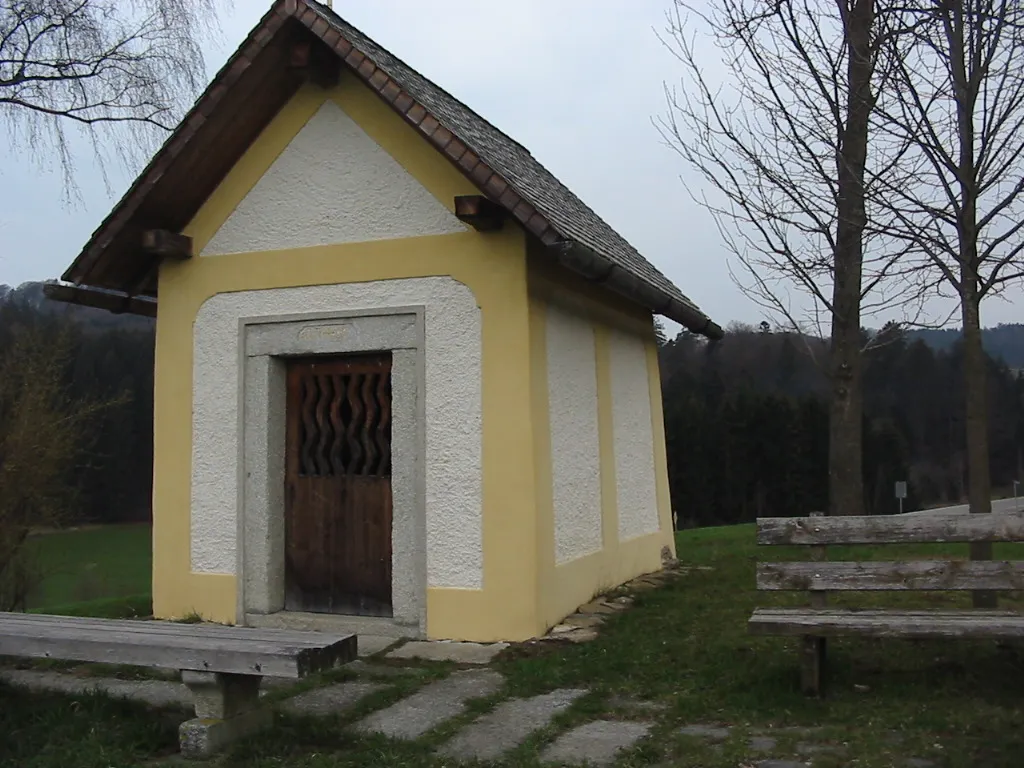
<point x="332" y="184"/>
<point x="192" y="564"/>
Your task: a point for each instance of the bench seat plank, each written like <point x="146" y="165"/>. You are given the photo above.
<point x="935" y="575"/>
<point x="309" y="638"/>
<point x="183" y="646"/>
<point x="887" y="623"/>
<point x="891" y="529"/>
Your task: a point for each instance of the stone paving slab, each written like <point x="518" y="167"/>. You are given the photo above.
<point x="368" y="645"/>
<point x="806" y="749"/>
<point x="426" y="709"/>
<point x="368" y="669"/>
<point x="595" y="743"/>
<point x="572" y="635"/>
<point x="157" y="693"/>
<point x="600" y="608"/>
<point x="636" y="705"/>
<point x="331" y="700"/>
<point x="761" y="744"/>
<point x="709" y="732"/>
<point x="509" y="725"/>
<point x="462" y="653"/>
<point x="790" y="730"/>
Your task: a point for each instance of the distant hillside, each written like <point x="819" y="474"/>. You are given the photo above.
<point x="1005" y="342"/>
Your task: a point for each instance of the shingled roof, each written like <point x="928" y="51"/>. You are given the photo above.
<point x="257" y="81"/>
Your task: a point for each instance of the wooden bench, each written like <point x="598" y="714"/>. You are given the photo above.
<point x="819" y="577"/>
<point x="222" y="666"/>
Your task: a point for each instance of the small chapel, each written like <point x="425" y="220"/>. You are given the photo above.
<point x="406" y="381"/>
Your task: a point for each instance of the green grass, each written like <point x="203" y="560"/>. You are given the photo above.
<point x="105" y="563"/>
<point x="88" y="731"/>
<point x="130" y="607"/>
<point x="683" y="647"/>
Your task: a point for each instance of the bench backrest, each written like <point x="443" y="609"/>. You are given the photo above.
<point x="819" y="576"/>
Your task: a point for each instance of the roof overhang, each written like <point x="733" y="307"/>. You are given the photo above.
<point x="293" y="44"/>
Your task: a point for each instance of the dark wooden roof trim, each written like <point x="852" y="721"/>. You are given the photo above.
<point x="162" y="244"/>
<point x="112" y="301"/>
<point x="133" y="198"/>
<point x="315" y="63"/>
<point x="480" y="213"/>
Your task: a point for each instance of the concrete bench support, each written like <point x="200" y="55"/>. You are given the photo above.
<point x="227" y="709"/>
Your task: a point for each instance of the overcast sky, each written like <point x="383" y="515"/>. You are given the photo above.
<point x="575" y="81"/>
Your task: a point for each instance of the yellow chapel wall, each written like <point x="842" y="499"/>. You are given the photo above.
<point x="619" y="332"/>
<point x="492" y="266"/>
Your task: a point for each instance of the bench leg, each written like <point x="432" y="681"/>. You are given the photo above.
<point x="227" y="709"/>
<point x="812" y="663"/>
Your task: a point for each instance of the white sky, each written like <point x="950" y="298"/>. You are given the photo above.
<point x="575" y="81"/>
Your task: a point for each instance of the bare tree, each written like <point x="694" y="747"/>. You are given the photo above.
<point x="97" y="65"/>
<point x="783" y="146"/>
<point x="959" y="101"/>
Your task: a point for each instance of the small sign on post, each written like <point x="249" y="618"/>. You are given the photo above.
<point x="901" y="492"/>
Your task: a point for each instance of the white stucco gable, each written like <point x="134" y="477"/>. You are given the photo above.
<point x="332" y="184"/>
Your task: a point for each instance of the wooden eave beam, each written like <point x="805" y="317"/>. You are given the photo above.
<point x="118" y="303"/>
<point x="479" y="212"/>
<point x="164" y="244"/>
<point x="315" y="63"/>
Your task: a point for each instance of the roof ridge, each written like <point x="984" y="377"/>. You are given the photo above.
<point x="328" y="11"/>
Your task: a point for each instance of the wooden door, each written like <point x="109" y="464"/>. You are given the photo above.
<point x="338" y="485"/>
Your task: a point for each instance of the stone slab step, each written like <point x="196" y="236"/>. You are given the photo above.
<point x="330" y="700"/>
<point x="437" y="702"/>
<point x="595" y="743"/>
<point x="157" y="693"/>
<point x="508" y="725"/>
<point x="439" y="650"/>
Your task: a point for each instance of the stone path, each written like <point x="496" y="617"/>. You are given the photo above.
<point x="595" y="743"/>
<point x="765" y="742"/>
<point x="432" y="705"/>
<point x="509" y="725"/>
<point x="488" y="737"/>
<point x="461" y="653"/>
<point x="158" y="693"/>
<point x="332" y="700"/>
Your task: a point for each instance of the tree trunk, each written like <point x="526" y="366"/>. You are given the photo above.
<point x="846" y="481"/>
<point x="979" y="481"/>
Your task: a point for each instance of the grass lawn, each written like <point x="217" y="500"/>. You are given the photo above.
<point x="683" y="647"/>
<point x="104" y="570"/>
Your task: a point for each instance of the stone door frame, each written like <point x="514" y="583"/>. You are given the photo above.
<point x="266" y="342"/>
